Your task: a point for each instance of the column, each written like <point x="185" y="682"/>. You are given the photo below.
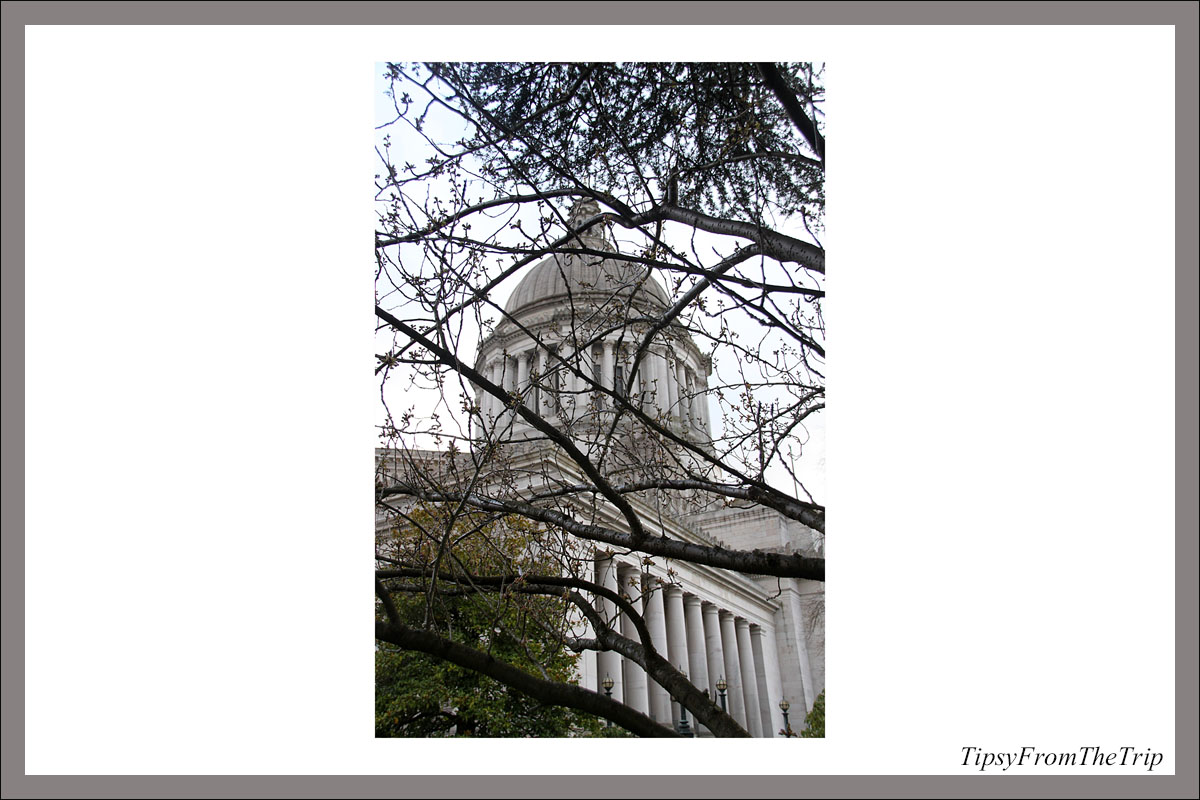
<point x="636" y="387"/>
<point x="510" y="384"/>
<point x="510" y="373"/>
<point x="663" y="371"/>
<point x="573" y="383"/>
<point x="649" y="375"/>
<point x="585" y="665"/>
<point x="699" y="404"/>
<point x="672" y="386"/>
<point x="639" y="386"/>
<point x="677" y="644"/>
<point x="760" y="676"/>
<point x="584" y="383"/>
<point x="481" y="399"/>
<point x="636" y="695"/>
<point x="566" y="381"/>
<point x="547" y="403"/>
<point x="690" y="402"/>
<point x="714" y="653"/>
<point x="697" y="657"/>
<point x="749" y="678"/>
<point x="606" y="365"/>
<point x="770" y="653"/>
<point x="608" y="663"/>
<point x="496" y="377"/>
<point x="656" y="622"/>
<point x="681" y="407"/>
<point x="485" y="399"/>
<point x="523" y="373"/>
<point x="733" y="671"/>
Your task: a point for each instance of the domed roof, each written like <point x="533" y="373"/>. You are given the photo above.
<point x="585" y="276"/>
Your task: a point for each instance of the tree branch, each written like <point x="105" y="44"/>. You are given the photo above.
<point x="449" y="359"/>
<point x="777" y="245"/>
<point x="541" y="584"/>
<point x="549" y="692"/>
<point x="753" y="562"/>
<point x="791" y="104"/>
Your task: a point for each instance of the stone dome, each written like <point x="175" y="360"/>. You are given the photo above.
<point x="586" y="277"/>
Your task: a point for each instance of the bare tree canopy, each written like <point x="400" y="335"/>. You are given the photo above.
<point x="599" y="292"/>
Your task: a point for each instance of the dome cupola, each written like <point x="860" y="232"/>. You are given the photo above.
<point x="568" y="345"/>
<point x="594" y="277"/>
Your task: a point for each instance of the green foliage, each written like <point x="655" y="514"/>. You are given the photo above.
<point x="814" y="723"/>
<point x="614" y="732"/>
<point x="417" y="695"/>
<point x="713" y="134"/>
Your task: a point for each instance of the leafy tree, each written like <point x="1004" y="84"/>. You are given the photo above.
<point x="814" y="722"/>
<point x="419" y="695"/>
<point x="713" y="174"/>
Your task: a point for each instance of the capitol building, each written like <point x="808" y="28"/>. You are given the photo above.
<point x="568" y="346"/>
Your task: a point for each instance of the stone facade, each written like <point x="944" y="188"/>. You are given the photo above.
<point x="573" y="325"/>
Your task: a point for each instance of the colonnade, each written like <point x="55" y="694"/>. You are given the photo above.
<point x="665" y="381"/>
<point x="698" y="637"/>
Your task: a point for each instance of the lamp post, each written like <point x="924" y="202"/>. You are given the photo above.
<point x="684" y="728"/>
<point x="787" y="731"/>
<point x="607" y="683"/>
<point x="721" y="687"/>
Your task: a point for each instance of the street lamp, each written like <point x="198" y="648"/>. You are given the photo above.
<point x="721" y="687"/>
<point x="787" y="731"/>
<point x="607" y="683"/>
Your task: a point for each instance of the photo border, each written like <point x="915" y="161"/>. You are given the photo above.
<point x="1183" y="15"/>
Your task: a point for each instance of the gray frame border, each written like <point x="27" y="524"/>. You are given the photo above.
<point x="1183" y="15"/>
